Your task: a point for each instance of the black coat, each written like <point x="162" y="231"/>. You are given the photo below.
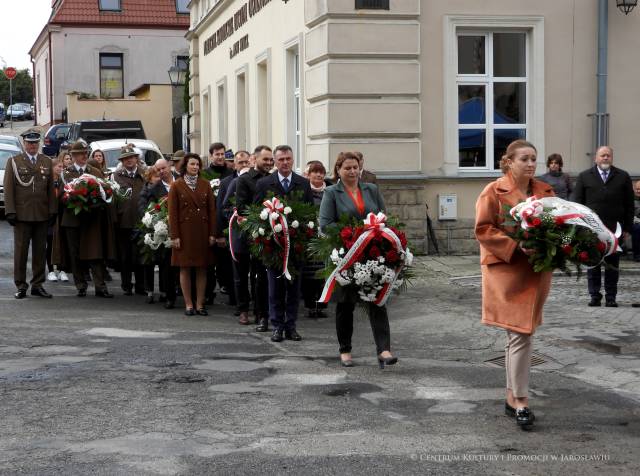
<point x="612" y="201"/>
<point x="150" y="194"/>
<point x="246" y="189"/>
<point x="222" y="221"/>
<point x="271" y="184"/>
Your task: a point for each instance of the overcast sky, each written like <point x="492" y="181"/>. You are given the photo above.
<point x="22" y="21"/>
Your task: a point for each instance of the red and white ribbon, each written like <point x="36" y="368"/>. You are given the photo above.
<point x="371" y="224"/>
<point x="276" y="207"/>
<point x="235" y="217"/>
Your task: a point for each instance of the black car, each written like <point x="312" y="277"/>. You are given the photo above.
<point x="54" y="137"/>
<point x="91" y="131"/>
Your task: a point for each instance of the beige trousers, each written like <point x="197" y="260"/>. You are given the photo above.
<point x="517" y="360"/>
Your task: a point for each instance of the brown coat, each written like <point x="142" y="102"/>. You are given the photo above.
<point x="127" y="209"/>
<point x="192" y="219"/>
<point x="97" y="238"/>
<point x="36" y="202"/>
<point x="512" y="294"/>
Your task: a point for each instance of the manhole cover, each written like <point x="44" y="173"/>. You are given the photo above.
<point x="536" y="359"/>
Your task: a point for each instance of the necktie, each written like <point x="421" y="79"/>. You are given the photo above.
<point x="33" y="160"/>
<point x="81" y="170"/>
<point x="131" y="175"/>
<point x="285" y="184"/>
<point x="605" y="174"/>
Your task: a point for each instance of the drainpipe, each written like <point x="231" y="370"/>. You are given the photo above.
<point x="33" y="93"/>
<point x="50" y="92"/>
<point x="602" y="118"/>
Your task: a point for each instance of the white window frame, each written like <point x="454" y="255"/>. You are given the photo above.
<point x="104" y="9"/>
<point x="242" y="108"/>
<point x="294" y="125"/>
<point x="454" y="25"/>
<point x="262" y="117"/>
<point x="222" y="113"/>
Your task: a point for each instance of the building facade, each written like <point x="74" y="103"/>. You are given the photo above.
<point x="431" y="92"/>
<point x="105" y="48"/>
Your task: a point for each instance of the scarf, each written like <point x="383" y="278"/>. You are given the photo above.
<point x="319" y="189"/>
<point x="191" y="181"/>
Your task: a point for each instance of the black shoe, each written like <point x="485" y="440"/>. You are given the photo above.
<point x="525" y="418"/>
<point x="277" y="336"/>
<point x="169" y="305"/>
<point x="202" y="312"/>
<point x="150" y="299"/>
<point x="263" y="326"/>
<point x="40" y="292"/>
<point x="189" y="312"/>
<point x="21" y="294"/>
<point x="346" y="363"/>
<point x="509" y="410"/>
<point x="104" y="293"/>
<point x="382" y="361"/>
<point x="595" y="302"/>
<point x="81" y="293"/>
<point x="611" y="303"/>
<point x="292" y="335"/>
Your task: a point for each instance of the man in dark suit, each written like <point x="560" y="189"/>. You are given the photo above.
<point x="608" y="191"/>
<point x="245" y="190"/>
<point x="284" y="295"/>
<point x="365" y="175"/>
<point x="30" y="203"/>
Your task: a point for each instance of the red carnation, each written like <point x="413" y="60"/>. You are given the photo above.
<point x="374" y="251"/>
<point x="84" y="191"/>
<point x="583" y="256"/>
<point x="403" y="239"/>
<point x="310" y="232"/>
<point x="357" y="232"/>
<point x="292" y="232"/>
<point x="567" y="249"/>
<point x="94" y="193"/>
<point x="158" y="206"/>
<point x="559" y="221"/>
<point x="602" y="247"/>
<point x="536" y="222"/>
<point x="392" y="256"/>
<point x="346" y="233"/>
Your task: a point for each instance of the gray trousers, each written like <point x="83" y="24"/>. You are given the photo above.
<point x="517" y="361"/>
<point x="25" y="233"/>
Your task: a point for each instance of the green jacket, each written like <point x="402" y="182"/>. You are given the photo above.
<point x="337" y="202"/>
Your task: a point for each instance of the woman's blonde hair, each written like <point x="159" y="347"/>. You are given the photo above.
<point x="511" y="152"/>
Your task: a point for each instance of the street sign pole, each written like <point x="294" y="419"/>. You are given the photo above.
<point x="11" y="102"/>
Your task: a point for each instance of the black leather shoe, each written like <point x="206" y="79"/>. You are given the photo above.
<point x="292" y="335"/>
<point x="82" y="293"/>
<point x="40" y="292"/>
<point x="277" y="336"/>
<point x="104" y="294"/>
<point x="509" y="410"/>
<point x="382" y="361"/>
<point x="169" y="305"/>
<point x="21" y="294"/>
<point x="202" y="312"/>
<point x="595" y="302"/>
<point x="263" y="326"/>
<point x="610" y="303"/>
<point x="189" y="312"/>
<point x="525" y="418"/>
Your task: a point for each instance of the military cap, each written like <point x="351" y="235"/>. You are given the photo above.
<point x="128" y="151"/>
<point x="78" y="147"/>
<point x="31" y="135"/>
<point x="177" y="155"/>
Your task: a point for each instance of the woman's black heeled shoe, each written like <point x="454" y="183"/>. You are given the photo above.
<point x="525" y="418"/>
<point x="189" y="312"/>
<point x="382" y="361"/>
<point x="509" y="410"/>
<point x="202" y="312"/>
<point x="346" y="363"/>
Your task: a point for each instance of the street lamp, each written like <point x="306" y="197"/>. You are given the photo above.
<point x="176" y="76"/>
<point x="626" y="6"/>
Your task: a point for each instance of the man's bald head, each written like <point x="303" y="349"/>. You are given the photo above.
<point x="164" y="169"/>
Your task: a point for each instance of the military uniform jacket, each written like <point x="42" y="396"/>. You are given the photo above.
<point x="68" y="218"/>
<point x="127" y="209"/>
<point x="28" y="188"/>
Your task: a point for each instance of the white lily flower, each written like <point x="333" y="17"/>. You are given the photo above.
<point x="264" y="215"/>
<point x="295" y="224"/>
<point x="287" y="210"/>
<point x="311" y="225"/>
<point x="274" y="215"/>
<point x="261" y="231"/>
<point x="277" y="228"/>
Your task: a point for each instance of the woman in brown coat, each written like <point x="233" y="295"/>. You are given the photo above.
<point x="513" y="295"/>
<point x="192" y="221"/>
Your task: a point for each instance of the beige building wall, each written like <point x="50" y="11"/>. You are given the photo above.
<point x="153" y="108"/>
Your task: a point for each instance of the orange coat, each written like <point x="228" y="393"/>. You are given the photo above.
<point x="513" y="295"/>
<point x="192" y="218"/>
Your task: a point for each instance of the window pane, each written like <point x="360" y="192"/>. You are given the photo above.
<point x="501" y="139"/>
<point x="471" y="104"/>
<point x="471" y="55"/>
<point x="111" y="83"/>
<point x="109" y="4"/>
<point x="509" y="58"/>
<point x="472" y="146"/>
<point x="111" y="61"/>
<point x="181" y="6"/>
<point x="510" y="100"/>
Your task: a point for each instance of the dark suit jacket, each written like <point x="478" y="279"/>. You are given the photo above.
<point x="337" y="202"/>
<point x="612" y="201"/>
<point x="151" y="193"/>
<point x="222" y="220"/>
<point x="368" y="177"/>
<point x="270" y="183"/>
<point x="246" y="189"/>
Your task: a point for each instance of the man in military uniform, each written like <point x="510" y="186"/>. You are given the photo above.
<point x="130" y="179"/>
<point x="30" y="203"/>
<point x="87" y="235"/>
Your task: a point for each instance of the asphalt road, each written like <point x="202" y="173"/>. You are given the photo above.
<point x="96" y="386"/>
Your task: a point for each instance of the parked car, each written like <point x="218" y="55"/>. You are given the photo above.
<point x="54" y="138"/>
<point x="28" y="112"/>
<point x="111" y="149"/>
<point x="6" y="152"/>
<point x="15" y="112"/>
<point x="1" y="115"/>
<point x="11" y="140"/>
<point x="91" y="131"/>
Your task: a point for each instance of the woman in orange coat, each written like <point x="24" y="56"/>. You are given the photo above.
<point x="513" y="295"/>
<point x="192" y="221"/>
